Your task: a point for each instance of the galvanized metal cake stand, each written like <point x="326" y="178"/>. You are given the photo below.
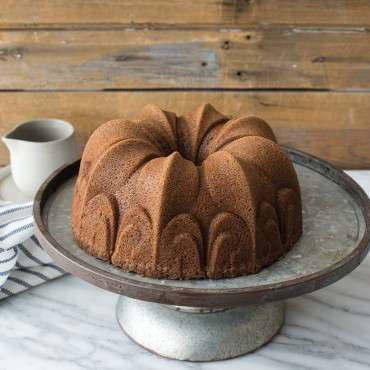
<point x="206" y="320"/>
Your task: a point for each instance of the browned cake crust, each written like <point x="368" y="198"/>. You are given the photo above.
<point x="186" y="197"/>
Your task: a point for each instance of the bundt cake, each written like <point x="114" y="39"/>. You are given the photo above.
<point x="195" y="196"/>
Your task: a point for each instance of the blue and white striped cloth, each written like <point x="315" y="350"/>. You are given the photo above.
<point x="23" y="262"/>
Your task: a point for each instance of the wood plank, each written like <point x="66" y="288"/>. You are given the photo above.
<point x="270" y="58"/>
<point x="334" y="126"/>
<point x="115" y="13"/>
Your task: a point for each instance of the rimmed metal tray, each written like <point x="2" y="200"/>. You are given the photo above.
<point x="335" y="239"/>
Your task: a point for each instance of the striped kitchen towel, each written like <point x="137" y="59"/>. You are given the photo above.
<point x="23" y="262"/>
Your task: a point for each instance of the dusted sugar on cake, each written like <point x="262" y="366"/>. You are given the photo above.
<point x="188" y="197"/>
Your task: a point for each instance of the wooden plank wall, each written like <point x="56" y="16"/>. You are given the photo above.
<point x="303" y="66"/>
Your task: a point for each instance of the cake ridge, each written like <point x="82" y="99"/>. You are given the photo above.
<point x="167" y="118"/>
<point x="168" y="136"/>
<point x="197" y="125"/>
<point x="106" y="154"/>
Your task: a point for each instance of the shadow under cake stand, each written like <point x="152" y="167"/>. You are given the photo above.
<point x="205" y="320"/>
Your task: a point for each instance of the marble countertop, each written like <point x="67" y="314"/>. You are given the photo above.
<point x="69" y="324"/>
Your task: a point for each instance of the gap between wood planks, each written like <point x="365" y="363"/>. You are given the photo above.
<point x="194" y="89"/>
<point x="188" y="27"/>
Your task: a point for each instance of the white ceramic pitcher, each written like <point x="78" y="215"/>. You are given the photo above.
<point x="37" y="148"/>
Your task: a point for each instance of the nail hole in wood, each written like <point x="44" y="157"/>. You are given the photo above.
<point x="121" y="58"/>
<point x="248" y="37"/>
<point x="226" y="44"/>
<point x="319" y="59"/>
<point x="204" y="64"/>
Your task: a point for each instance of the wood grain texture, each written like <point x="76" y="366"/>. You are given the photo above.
<point x="269" y="58"/>
<point x="118" y="13"/>
<point x="333" y="126"/>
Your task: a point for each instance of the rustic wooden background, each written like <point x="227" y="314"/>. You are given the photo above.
<point x="304" y="66"/>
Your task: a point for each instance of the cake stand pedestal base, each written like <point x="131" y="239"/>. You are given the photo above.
<point x="199" y="334"/>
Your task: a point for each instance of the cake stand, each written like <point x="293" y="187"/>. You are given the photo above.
<point x="205" y="320"/>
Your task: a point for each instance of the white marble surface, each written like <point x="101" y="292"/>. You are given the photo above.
<point x="68" y="324"/>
